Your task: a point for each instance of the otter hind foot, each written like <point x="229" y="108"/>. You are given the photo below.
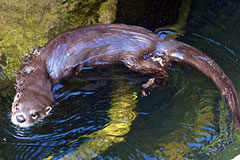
<point x="150" y="84"/>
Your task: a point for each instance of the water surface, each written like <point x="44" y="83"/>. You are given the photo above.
<point x="101" y="114"/>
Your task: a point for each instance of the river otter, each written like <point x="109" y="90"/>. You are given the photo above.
<point x="105" y="44"/>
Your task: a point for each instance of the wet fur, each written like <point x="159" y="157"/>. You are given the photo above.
<point x="90" y="46"/>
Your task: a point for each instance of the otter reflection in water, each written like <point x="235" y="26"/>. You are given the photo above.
<point x="106" y="44"/>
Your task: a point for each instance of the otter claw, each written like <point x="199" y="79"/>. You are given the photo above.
<point x="144" y="93"/>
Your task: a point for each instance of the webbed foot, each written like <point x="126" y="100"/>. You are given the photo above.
<point x="150" y="84"/>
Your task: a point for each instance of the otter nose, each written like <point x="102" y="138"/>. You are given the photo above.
<point x="21" y="118"/>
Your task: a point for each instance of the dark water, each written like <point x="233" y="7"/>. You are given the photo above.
<point x="101" y="115"/>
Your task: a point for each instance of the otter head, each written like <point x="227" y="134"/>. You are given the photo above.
<point x="27" y="108"/>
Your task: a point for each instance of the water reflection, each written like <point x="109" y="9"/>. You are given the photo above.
<point x="121" y="116"/>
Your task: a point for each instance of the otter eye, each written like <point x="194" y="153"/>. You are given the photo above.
<point x="18" y="95"/>
<point x="48" y="109"/>
<point x="16" y="108"/>
<point x="34" y="115"/>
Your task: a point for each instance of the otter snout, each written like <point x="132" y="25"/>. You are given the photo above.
<point x="26" y="117"/>
<point x="20" y="118"/>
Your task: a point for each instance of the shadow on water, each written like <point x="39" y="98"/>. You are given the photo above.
<point x="100" y="113"/>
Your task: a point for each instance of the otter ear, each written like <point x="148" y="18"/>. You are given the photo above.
<point x="48" y="109"/>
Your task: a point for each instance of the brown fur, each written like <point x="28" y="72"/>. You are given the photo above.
<point x="106" y="44"/>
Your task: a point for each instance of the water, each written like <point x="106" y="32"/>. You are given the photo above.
<point x="101" y="114"/>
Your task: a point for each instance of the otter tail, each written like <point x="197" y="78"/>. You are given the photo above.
<point x="181" y="52"/>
